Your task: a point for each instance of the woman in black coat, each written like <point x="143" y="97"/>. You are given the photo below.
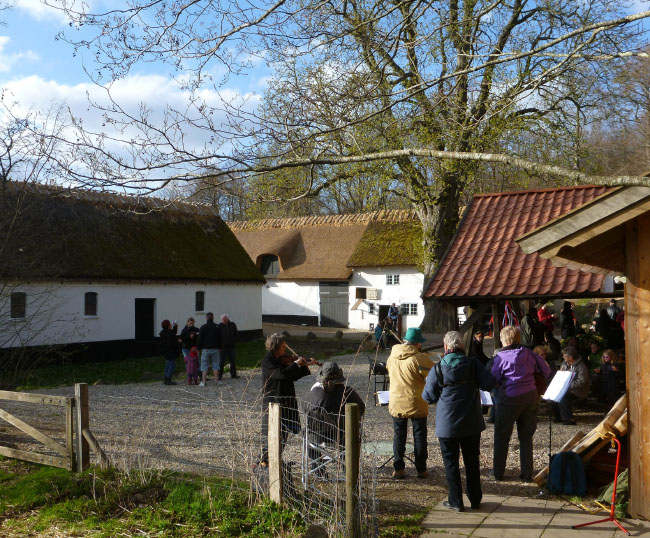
<point x="169" y="347"/>
<point x="567" y="321"/>
<point x="279" y="372"/>
<point x="454" y="385"/>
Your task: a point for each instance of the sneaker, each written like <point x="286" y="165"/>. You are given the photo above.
<point x="569" y="422"/>
<point x="423" y="474"/>
<point x="234" y="376"/>
<point x="399" y="475"/>
<point x="495" y="477"/>
<point x="476" y="506"/>
<point x="202" y="384"/>
<point x="452" y="507"/>
<point x="525" y="478"/>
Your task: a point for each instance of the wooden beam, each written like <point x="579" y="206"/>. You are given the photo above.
<point x="33" y="432"/>
<point x="43" y="459"/>
<point x="637" y="351"/>
<point x="477" y="315"/>
<point x="352" y="460"/>
<point x="275" y="452"/>
<point x="83" y="421"/>
<point x="69" y="432"/>
<point x="94" y="444"/>
<point x="33" y="398"/>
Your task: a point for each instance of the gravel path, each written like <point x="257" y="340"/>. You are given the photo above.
<point x="216" y="429"/>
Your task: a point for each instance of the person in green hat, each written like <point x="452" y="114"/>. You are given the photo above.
<point x="408" y="367"/>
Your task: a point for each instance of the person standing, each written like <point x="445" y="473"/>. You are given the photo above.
<point x="476" y="348"/>
<point x="189" y="337"/>
<point x="613" y="310"/>
<point x="454" y="385"/>
<point x="567" y="320"/>
<point x="517" y="402"/>
<point x="169" y="347"/>
<point x="208" y="343"/>
<point x="578" y="389"/>
<point x="545" y="317"/>
<point x="227" y="340"/>
<point x="528" y="329"/>
<point x="279" y="372"/>
<point x="408" y="367"/>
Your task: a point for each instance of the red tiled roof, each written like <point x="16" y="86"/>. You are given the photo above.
<point x="485" y="261"/>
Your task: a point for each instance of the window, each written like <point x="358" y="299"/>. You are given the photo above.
<point x="18" y="304"/>
<point x="199" y="301"/>
<point x="90" y="303"/>
<point x="412" y="309"/>
<point x="371" y="308"/>
<point x="392" y="280"/>
<point x="270" y="265"/>
<point x="360" y="293"/>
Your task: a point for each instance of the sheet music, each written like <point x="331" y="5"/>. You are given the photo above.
<point x="558" y="386"/>
<point x="382" y="397"/>
<point x="486" y="398"/>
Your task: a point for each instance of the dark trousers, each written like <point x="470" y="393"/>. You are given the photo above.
<point x="227" y="353"/>
<point x="564" y="408"/>
<point x="419" y="426"/>
<point x="450" y="448"/>
<point x="521" y="410"/>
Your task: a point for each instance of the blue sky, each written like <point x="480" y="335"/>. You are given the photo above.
<point x="38" y="71"/>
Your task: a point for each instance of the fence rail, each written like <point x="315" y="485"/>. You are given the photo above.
<point x="65" y="453"/>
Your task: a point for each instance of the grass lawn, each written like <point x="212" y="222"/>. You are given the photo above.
<point x="131" y="370"/>
<point x="37" y="500"/>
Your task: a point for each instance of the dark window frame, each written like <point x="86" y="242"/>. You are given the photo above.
<point x="90" y="303"/>
<point x="18" y="305"/>
<point x="270" y="265"/>
<point x="199" y="301"/>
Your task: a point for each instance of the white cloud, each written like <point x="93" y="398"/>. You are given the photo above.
<point x="40" y="11"/>
<point x="8" y="60"/>
<point x="157" y="93"/>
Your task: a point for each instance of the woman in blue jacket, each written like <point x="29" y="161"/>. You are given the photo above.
<point x="454" y="386"/>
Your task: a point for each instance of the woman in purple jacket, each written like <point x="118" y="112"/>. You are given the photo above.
<point x="517" y="402"/>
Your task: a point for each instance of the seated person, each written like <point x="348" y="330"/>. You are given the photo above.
<point x="595" y="354"/>
<point x="329" y="395"/>
<point x="578" y="389"/>
<point x="605" y="379"/>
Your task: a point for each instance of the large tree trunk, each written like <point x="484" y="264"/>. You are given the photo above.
<point x="439" y="224"/>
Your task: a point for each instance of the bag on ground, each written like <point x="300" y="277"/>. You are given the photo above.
<point x="567" y="474"/>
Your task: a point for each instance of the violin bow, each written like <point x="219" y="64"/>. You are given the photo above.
<point x="296" y="354"/>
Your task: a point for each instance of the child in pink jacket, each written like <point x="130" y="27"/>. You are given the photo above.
<point x="192" y="366"/>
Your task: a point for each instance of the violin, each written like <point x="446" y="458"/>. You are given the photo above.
<point x="286" y="360"/>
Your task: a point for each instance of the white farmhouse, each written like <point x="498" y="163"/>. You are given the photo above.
<point x="104" y="270"/>
<point x="338" y="270"/>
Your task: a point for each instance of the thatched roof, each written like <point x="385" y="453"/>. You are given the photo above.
<point x="325" y="247"/>
<point x="51" y="232"/>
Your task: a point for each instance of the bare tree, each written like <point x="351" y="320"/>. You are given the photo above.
<point x="430" y="89"/>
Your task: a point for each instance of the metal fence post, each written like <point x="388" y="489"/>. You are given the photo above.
<point x="275" y="452"/>
<point x="83" y="449"/>
<point x="352" y="458"/>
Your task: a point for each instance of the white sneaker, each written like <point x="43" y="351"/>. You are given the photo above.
<point x="201" y="384"/>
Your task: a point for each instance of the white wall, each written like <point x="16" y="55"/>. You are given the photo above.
<point x="291" y="298"/>
<point x="407" y="291"/>
<point x="55" y="311"/>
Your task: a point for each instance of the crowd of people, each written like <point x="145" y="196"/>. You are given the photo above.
<point x="209" y="346"/>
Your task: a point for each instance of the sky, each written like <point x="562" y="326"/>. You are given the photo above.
<point x="38" y="71"/>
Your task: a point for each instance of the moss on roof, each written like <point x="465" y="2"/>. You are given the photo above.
<point x="389" y="243"/>
<point x="49" y="233"/>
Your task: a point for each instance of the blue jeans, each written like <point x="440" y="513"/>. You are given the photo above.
<point x="419" y="426"/>
<point x="210" y="356"/>
<point x="170" y="365"/>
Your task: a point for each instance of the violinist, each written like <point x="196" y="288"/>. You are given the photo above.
<point x="279" y="372"/>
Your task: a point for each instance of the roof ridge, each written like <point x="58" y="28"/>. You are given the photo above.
<point x="109" y="199"/>
<point x="526" y="191"/>
<point x="336" y="219"/>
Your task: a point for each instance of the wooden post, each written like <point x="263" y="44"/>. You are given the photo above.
<point x="69" y="432"/>
<point x="352" y="456"/>
<point x="275" y="452"/>
<point x="496" y="325"/>
<point x="637" y="368"/>
<point x="83" y="449"/>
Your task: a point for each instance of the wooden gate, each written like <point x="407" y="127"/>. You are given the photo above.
<point x="65" y="457"/>
<point x="334" y="304"/>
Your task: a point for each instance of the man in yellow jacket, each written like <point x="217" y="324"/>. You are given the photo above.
<point x="408" y="367"/>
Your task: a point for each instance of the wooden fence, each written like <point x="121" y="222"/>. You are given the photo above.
<point x="75" y="426"/>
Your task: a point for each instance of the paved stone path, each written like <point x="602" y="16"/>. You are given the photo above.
<point x="522" y="517"/>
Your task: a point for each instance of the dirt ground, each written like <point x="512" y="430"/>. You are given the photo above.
<point x="215" y="429"/>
